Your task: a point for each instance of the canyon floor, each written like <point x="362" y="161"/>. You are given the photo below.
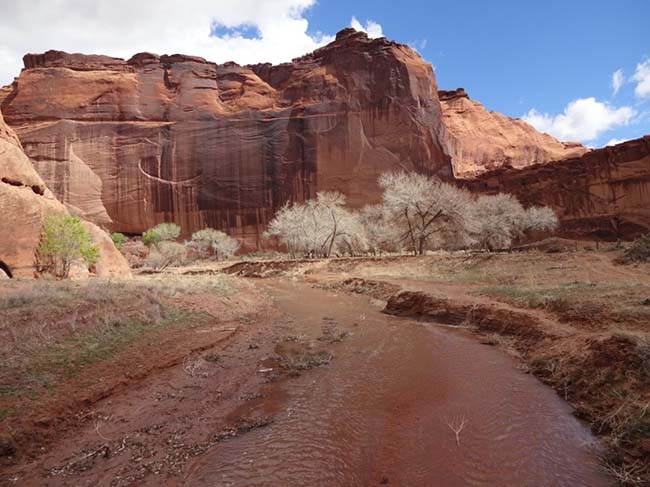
<point x="402" y="371"/>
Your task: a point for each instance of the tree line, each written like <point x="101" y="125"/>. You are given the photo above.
<point x="417" y="213"/>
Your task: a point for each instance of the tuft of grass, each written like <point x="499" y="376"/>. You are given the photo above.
<point x="641" y="343"/>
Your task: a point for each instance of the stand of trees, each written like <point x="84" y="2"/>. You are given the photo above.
<point x="417" y="213"/>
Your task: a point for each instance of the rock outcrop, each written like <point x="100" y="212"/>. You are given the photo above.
<point x="24" y="201"/>
<point x="604" y="194"/>
<point x="176" y="138"/>
<point x="483" y="140"/>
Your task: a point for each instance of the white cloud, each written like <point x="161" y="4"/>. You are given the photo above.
<point x="124" y="27"/>
<point x="372" y="28"/>
<point x="616" y="141"/>
<point x="642" y="77"/>
<point x="583" y="120"/>
<point x="617" y="80"/>
<point x="418" y="45"/>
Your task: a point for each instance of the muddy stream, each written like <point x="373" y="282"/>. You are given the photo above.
<point x="402" y="404"/>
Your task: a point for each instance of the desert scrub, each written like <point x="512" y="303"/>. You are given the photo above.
<point x="163" y="232"/>
<point x="119" y="239"/>
<point x="639" y="251"/>
<point x="52" y="361"/>
<point x="45" y="293"/>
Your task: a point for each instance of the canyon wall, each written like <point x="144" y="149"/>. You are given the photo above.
<point x="603" y="194"/>
<point x="483" y="140"/>
<point x="129" y="144"/>
<point x="25" y="200"/>
<point x="176" y="138"/>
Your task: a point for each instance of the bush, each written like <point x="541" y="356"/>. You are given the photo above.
<point x="119" y="239"/>
<point x="639" y="251"/>
<point x="64" y="241"/>
<point x="167" y="254"/>
<point x="163" y="232"/>
<point x="213" y="243"/>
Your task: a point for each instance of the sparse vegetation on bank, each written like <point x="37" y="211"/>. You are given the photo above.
<point x="165" y="251"/>
<point x="53" y="334"/>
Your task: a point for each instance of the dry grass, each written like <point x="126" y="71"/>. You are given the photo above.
<point x="580" y="301"/>
<point x="16" y="294"/>
<point x="50" y="330"/>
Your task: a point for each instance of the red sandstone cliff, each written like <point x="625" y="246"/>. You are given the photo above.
<point x="176" y="138"/>
<point x="603" y="194"/>
<point x="484" y="140"/>
<point x="24" y="202"/>
<point x="132" y="143"/>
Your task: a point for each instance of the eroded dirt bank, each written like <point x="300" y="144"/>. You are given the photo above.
<point x="318" y="387"/>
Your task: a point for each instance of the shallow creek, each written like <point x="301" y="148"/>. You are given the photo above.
<point x="386" y="410"/>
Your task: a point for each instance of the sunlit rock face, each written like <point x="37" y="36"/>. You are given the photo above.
<point x="603" y="194"/>
<point x="176" y="138"/>
<point x="24" y="201"/>
<point x="483" y="140"/>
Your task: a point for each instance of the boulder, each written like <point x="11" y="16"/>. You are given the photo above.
<point x="24" y="202"/>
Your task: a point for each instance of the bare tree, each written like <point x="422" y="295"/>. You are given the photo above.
<point x="540" y="218"/>
<point x="423" y="208"/>
<point x="500" y="219"/>
<point x="381" y="234"/>
<point x="320" y="227"/>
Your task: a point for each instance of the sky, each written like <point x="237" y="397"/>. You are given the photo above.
<point x="577" y="69"/>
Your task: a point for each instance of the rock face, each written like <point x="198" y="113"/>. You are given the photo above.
<point x="176" y="138"/>
<point x="483" y="140"/>
<point x="603" y="194"/>
<point x="129" y="144"/>
<point x="24" y="202"/>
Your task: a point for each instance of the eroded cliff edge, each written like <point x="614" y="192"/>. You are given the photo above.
<point x="483" y="140"/>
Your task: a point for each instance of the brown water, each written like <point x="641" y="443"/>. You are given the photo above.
<point x="380" y="413"/>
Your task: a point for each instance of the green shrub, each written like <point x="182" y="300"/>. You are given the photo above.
<point x="119" y="239"/>
<point x="64" y="241"/>
<point x="163" y="232"/>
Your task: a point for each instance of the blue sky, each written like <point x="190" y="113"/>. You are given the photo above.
<point x="552" y="61"/>
<point x="515" y="56"/>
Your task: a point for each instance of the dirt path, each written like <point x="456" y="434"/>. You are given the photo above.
<point x="326" y="390"/>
